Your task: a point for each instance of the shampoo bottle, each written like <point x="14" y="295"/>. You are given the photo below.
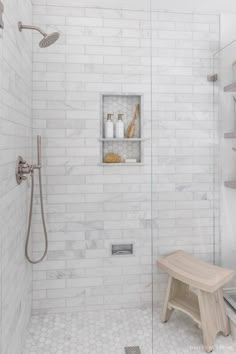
<point x="120" y="127"/>
<point x="109" y="127"/>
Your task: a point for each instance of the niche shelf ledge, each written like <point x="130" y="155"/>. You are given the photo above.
<point x="230" y="184"/>
<point x="122" y="164"/>
<point x="121" y="139"/>
<point x="230" y="88"/>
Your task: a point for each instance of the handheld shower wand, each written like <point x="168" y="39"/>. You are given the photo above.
<point x="22" y="169"/>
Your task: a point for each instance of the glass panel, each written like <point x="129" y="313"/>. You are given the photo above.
<point x="225" y="91"/>
<point x="184" y="192"/>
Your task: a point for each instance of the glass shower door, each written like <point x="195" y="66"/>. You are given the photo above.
<point x="225" y="112"/>
<point x="184" y="175"/>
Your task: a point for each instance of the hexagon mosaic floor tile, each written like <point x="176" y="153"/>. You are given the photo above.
<point x="110" y="331"/>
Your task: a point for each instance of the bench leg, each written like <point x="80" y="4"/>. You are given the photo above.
<point x="213" y="317"/>
<point x="175" y="288"/>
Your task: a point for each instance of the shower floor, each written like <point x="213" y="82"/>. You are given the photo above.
<point x="108" y="332"/>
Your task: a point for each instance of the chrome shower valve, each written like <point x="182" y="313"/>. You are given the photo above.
<point x="23" y="168"/>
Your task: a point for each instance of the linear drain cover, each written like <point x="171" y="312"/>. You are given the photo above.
<point x="132" y="350"/>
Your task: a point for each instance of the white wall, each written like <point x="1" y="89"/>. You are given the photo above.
<point x="183" y="132"/>
<point x="202" y="6"/>
<point x="15" y="139"/>
<point x="209" y="6"/>
<point x="228" y="28"/>
<point x="88" y="206"/>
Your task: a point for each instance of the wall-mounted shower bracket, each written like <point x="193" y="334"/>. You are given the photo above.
<point x="23" y="168"/>
<point x="1" y="13"/>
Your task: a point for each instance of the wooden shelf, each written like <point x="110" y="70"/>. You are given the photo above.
<point x="119" y="140"/>
<point x="187" y="304"/>
<point x="230" y="184"/>
<point x="231" y="135"/>
<point x="230" y="88"/>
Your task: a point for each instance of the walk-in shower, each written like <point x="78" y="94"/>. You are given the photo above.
<point x="23" y="169"/>
<point x="49" y="38"/>
<point x="80" y="237"/>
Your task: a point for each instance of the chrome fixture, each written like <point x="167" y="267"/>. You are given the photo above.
<point x="1" y="13"/>
<point x="48" y="39"/>
<point x="122" y="249"/>
<point x="132" y="350"/>
<point x="23" y="169"/>
<point x="212" y="78"/>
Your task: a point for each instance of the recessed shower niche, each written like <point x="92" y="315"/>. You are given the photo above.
<point x="127" y="149"/>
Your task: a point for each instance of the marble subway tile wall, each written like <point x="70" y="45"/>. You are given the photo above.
<point x="185" y="188"/>
<point x="89" y="207"/>
<point x="15" y="139"/>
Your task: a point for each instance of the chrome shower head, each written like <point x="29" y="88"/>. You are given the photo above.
<point x="48" y="39"/>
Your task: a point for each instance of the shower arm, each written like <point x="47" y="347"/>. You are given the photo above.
<point x="29" y="27"/>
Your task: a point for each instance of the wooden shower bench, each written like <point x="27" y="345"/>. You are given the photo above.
<point x="195" y="288"/>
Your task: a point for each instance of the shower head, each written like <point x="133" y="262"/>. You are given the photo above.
<point x="48" y="39"/>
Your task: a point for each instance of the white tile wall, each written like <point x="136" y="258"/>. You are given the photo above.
<point x="15" y="139"/>
<point x="191" y="6"/>
<point x="184" y="136"/>
<point x="88" y="206"/>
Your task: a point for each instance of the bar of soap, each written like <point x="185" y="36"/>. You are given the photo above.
<point x="111" y="157"/>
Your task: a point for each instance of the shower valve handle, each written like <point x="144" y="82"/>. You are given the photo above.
<point x="23" y="168"/>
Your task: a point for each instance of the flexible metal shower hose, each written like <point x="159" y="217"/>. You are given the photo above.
<point x="30" y="220"/>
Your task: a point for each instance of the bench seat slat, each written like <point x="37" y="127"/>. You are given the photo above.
<point x="194" y="272"/>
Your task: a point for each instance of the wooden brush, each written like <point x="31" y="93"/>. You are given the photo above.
<point x="131" y="128"/>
